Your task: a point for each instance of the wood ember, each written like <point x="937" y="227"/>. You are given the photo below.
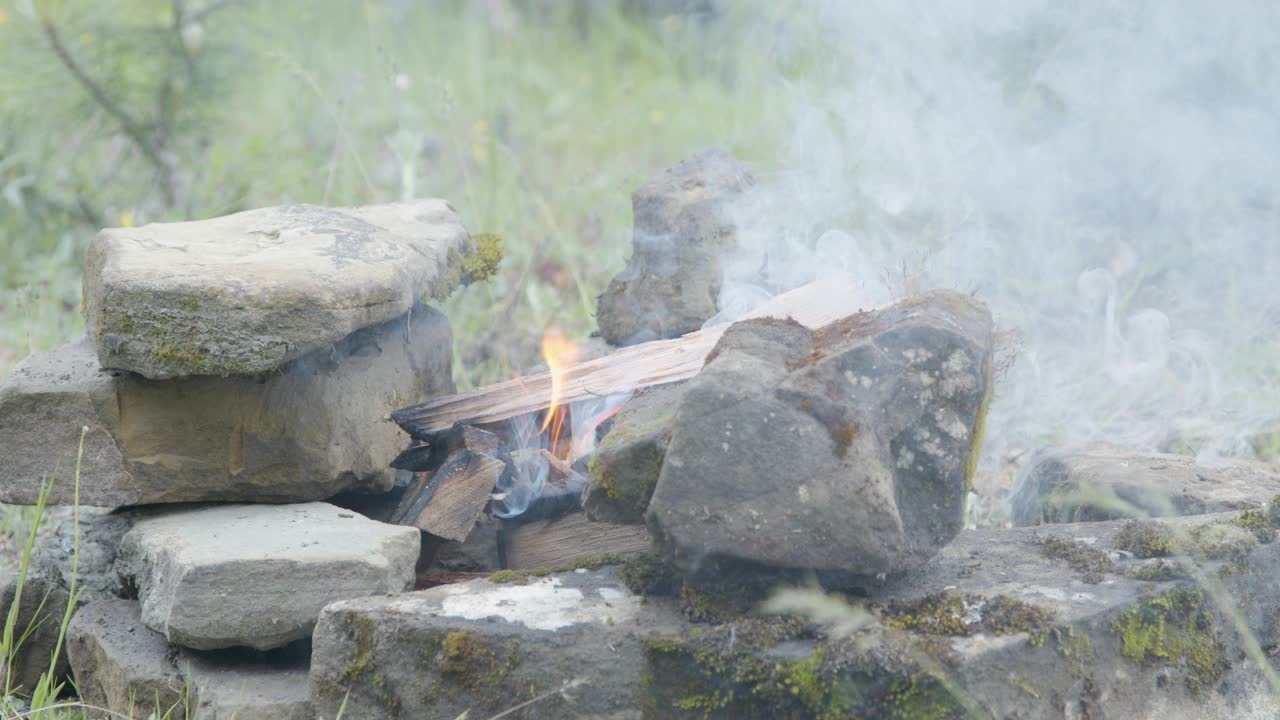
<point x="559" y="542"/>
<point x="644" y="365"/>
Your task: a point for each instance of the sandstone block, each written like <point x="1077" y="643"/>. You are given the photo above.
<point x="245" y="293"/>
<point x="306" y="432"/>
<point x="128" y="669"/>
<point x="258" y="575"/>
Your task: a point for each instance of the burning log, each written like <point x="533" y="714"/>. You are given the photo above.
<point x="638" y="366"/>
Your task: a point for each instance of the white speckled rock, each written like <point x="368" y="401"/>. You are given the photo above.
<point x="259" y="575"/>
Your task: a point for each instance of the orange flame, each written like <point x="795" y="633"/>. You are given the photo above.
<point x="560" y="354"/>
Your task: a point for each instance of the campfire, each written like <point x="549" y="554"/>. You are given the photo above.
<point x="520" y="451"/>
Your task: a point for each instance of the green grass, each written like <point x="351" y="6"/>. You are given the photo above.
<point x="532" y="127"/>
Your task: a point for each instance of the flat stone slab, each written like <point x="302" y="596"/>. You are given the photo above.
<point x="1062" y="621"/>
<point x="245" y="293"/>
<point x="1056" y="622"/>
<point x="125" y="667"/>
<point x="483" y="647"/>
<point x="258" y="575"/>
<point x="1061" y="485"/>
<point x="307" y="432"/>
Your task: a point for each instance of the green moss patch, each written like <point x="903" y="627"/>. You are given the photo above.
<point x="649" y="574"/>
<point x="1147" y="539"/>
<point x="963" y="614"/>
<point x="587" y="562"/>
<point x="1177" y="630"/>
<point x="1091" y="561"/>
<point x="728" y="673"/>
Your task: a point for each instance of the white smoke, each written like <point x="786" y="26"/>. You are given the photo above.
<point x="1103" y="174"/>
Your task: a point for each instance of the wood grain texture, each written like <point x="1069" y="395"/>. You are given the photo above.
<point x="558" y="542"/>
<point x="630" y="368"/>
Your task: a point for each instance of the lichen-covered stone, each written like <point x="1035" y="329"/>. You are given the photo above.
<point x="992" y="627"/>
<point x="671" y="283"/>
<point x="624" y="468"/>
<point x="127" y="669"/>
<point x="306" y="432"/>
<point x="246" y="293"/>
<point x="483" y="647"/>
<point x="847" y="450"/>
<point x="258" y="575"/>
<point x="1061" y="485"/>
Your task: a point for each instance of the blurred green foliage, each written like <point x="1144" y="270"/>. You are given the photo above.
<point x="535" y="119"/>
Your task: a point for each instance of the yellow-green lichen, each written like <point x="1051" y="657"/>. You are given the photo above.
<point x="1147" y="539"/>
<point x="702" y="676"/>
<point x="707" y="606"/>
<point x="649" y="574"/>
<point x="474" y="663"/>
<point x="1076" y="648"/>
<point x="963" y="614"/>
<point x="979" y="432"/>
<point x="483" y="262"/>
<point x="1257" y="522"/>
<point x="918" y="697"/>
<point x="1177" y="630"/>
<point x="1082" y="558"/>
<point x="1159" y="572"/>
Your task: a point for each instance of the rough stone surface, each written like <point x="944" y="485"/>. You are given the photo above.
<point x="95" y="572"/>
<point x="1017" y="632"/>
<point x="672" y="280"/>
<point x="1105" y="484"/>
<point x="848" y="451"/>
<point x="41" y="608"/>
<point x="625" y="466"/>
<point x="125" y="667"/>
<point x="305" y="433"/>
<point x="245" y="293"/>
<point x="258" y="575"/>
<point x="484" y="647"/>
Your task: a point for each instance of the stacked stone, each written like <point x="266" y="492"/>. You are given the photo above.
<point x="248" y="360"/>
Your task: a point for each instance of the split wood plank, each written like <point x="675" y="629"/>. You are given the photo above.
<point x="559" y="542"/>
<point x="638" y="366"/>
<point x="462" y="487"/>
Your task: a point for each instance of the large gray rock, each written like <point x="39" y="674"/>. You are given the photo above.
<point x="671" y="283"/>
<point x="998" y="625"/>
<point x="625" y="465"/>
<point x="848" y="450"/>
<point x="483" y="647"/>
<point x="245" y="293"/>
<point x="128" y="669"/>
<point x="307" y="432"/>
<point x="1061" y="485"/>
<point x="258" y="575"/>
<point x="41" y="607"/>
